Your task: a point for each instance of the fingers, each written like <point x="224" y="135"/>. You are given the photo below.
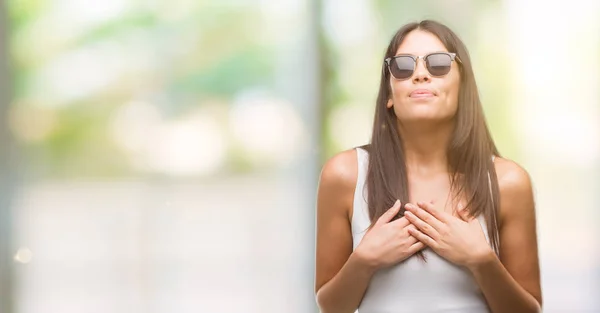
<point x="401" y="222"/>
<point x="411" y="240"/>
<point x="423" y="238"/>
<point x="421" y="225"/>
<point x="440" y="215"/>
<point x="424" y="216"/>
<point x="389" y="214"/>
<point x="409" y="226"/>
<point x="416" y="247"/>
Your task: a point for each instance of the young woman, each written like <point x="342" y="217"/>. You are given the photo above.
<point x="427" y="217"/>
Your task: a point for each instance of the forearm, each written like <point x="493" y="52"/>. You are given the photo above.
<point x="344" y="292"/>
<point x="502" y="292"/>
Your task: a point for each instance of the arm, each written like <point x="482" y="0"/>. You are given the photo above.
<point x="341" y="278"/>
<point x="512" y="283"/>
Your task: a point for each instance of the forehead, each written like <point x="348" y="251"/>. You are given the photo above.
<point x="420" y="42"/>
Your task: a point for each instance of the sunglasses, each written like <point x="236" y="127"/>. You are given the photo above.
<point x="403" y="66"/>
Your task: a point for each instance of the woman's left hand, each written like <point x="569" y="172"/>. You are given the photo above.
<point x="458" y="241"/>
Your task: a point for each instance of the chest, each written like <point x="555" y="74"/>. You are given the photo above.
<point x="436" y="189"/>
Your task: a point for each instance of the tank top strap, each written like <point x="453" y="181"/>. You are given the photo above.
<point x="363" y="159"/>
<point x="493" y="204"/>
<point x="360" y="213"/>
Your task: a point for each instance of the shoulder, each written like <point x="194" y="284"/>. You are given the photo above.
<point x="518" y="227"/>
<point x="516" y="191"/>
<point x="338" y="178"/>
<point x="341" y="169"/>
<point x="513" y="179"/>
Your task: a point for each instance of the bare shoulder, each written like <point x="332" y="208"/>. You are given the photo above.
<point x="512" y="177"/>
<point x="341" y="169"/>
<point x="516" y="192"/>
<point x="517" y="227"/>
<point x="338" y="179"/>
<point x="335" y="197"/>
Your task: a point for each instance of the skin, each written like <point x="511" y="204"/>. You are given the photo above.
<point x="510" y="283"/>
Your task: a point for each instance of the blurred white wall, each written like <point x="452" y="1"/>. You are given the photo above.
<point x="554" y="47"/>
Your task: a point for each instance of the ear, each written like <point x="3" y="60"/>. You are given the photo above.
<point x="389" y="104"/>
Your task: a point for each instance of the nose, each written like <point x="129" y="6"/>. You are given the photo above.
<point x="421" y="73"/>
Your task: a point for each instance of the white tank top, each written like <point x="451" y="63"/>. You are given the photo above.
<point x="414" y="286"/>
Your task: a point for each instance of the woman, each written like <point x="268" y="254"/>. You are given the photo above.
<point x="427" y="217"/>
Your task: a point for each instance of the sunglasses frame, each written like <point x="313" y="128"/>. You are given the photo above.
<point x="453" y="57"/>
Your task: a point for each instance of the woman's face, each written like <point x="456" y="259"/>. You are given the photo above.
<point x="423" y="97"/>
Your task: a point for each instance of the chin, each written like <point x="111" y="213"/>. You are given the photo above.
<point x="435" y="116"/>
<point x="423" y="112"/>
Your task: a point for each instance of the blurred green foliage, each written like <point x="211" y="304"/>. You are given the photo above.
<point x="207" y="51"/>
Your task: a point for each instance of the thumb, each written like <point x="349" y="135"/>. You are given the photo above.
<point x="389" y="214"/>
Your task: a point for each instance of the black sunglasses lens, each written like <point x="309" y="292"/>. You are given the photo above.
<point x="402" y="67"/>
<point x="438" y="64"/>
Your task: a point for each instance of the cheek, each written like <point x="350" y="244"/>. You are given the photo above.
<point x="451" y="94"/>
<point x="399" y="90"/>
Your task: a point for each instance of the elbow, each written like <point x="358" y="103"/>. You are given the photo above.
<point x="535" y="306"/>
<point x="319" y="299"/>
<point x="325" y="304"/>
<point x="321" y="302"/>
<point x="538" y="305"/>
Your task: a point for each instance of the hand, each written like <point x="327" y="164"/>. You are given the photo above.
<point x="458" y="241"/>
<point x="388" y="243"/>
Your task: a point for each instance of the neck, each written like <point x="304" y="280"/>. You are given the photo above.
<point x="425" y="146"/>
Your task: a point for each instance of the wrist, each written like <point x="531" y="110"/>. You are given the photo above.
<point x="481" y="260"/>
<point x="362" y="264"/>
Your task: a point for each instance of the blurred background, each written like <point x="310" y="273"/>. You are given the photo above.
<point x="163" y="156"/>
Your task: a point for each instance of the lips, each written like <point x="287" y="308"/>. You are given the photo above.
<point x="421" y="93"/>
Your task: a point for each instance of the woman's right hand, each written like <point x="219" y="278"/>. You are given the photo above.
<point x="388" y="243"/>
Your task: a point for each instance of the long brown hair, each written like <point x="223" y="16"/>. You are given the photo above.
<point x="469" y="151"/>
